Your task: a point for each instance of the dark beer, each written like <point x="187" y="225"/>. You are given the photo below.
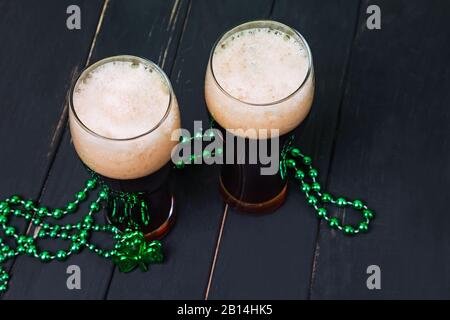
<point x="145" y="203"/>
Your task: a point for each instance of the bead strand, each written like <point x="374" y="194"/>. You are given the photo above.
<point x="37" y="215"/>
<point x="318" y="199"/>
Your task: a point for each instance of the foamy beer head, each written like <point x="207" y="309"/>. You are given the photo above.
<point x="122" y="114"/>
<point x="260" y="76"/>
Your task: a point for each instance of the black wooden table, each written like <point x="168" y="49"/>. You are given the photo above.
<point x="379" y="129"/>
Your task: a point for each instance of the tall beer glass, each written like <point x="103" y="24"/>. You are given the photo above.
<point x="122" y="114"/>
<point x="259" y="85"/>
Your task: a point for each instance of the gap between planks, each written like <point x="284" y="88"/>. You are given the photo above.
<point x="59" y="131"/>
<point x="333" y="145"/>
<point x="216" y="252"/>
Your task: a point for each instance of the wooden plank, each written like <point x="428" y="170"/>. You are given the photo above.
<point x="143" y="28"/>
<point x="270" y="257"/>
<point x="38" y="58"/>
<point x="393" y="150"/>
<point x="191" y="244"/>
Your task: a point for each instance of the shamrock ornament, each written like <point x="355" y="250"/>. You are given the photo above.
<point x="132" y="251"/>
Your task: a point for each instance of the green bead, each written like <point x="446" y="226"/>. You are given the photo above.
<point x="313" y="173"/>
<point x="58" y="213"/>
<point x="3" y="288"/>
<point x="291" y="163"/>
<point x="64" y="235"/>
<point x="4" y="205"/>
<point x="2" y="258"/>
<point x="3" y="219"/>
<point x="91" y="184"/>
<point x="42" y="234"/>
<point x="10" y="231"/>
<point x="312" y="200"/>
<point x="306" y="187"/>
<point x="299" y="174"/>
<point x="43" y="212"/>
<point x="333" y="223"/>
<point x="15" y="199"/>
<point x="80" y="196"/>
<point x="22" y="239"/>
<point x="29" y="205"/>
<point x="37" y="221"/>
<point x="103" y="195"/>
<point x="75" y="247"/>
<point x="88" y="220"/>
<point x="107" y="254"/>
<point x="71" y="207"/>
<point x="296" y="152"/>
<point x="341" y="202"/>
<point x="61" y="255"/>
<point x="45" y="256"/>
<point x="31" y="250"/>
<point x="307" y="160"/>
<point x="180" y="164"/>
<point x="53" y="234"/>
<point x="315" y="186"/>
<point x="46" y="226"/>
<point x="11" y="254"/>
<point x="29" y="240"/>
<point x="363" y="227"/>
<point x="368" y="214"/>
<point x="17" y="212"/>
<point x="95" y="207"/>
<point x="322" y="212"/>
<point x="349" y="230"/>
<point x="4" y="277"/>
<point x="357" y="204"/>
<point x="21" y="249"/>
<point x="83" y="234"/>
<point x="206" y="153"/>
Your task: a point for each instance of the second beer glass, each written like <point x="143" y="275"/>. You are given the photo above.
<point x="260" y="77"/>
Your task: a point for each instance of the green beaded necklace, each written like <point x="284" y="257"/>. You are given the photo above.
<point x="131" y="249"/>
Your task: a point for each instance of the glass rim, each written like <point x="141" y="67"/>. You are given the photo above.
<point x="127" y="58"/>
<point x="231" y="31"/>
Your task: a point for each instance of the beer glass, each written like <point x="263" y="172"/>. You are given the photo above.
<point x="259" y="87"/>
<point x="122" y="114"/>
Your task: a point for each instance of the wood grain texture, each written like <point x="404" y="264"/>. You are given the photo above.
<point x="270" y="257"/>
<point x="191" y="244"/>
<point x="393" y="150"/>
<point x="129" y="27"/>
<point x="38" y="58"/>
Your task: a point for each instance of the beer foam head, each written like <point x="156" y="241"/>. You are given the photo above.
<point x="121" y="99"/>
<point x="260" y="77"/>
<point x="122" y="115"/>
